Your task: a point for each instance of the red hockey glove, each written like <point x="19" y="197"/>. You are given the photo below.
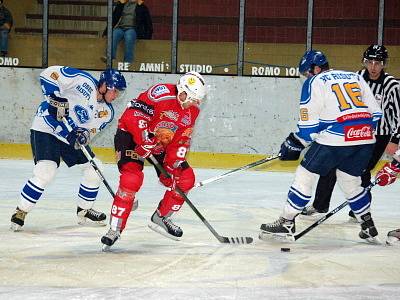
<point x="145" y="149"/>
<point x="388" y="174"/>
<point x="173" y="179"/>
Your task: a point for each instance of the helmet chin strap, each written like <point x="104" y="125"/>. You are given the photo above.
<point x="103" y="98"/>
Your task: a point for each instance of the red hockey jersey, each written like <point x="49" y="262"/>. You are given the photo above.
<point x="157" y="111"/>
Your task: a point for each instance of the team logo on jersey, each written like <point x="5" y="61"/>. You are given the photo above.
<point x="102" y="113"/>
<point x="186" y="119"/>
<point x="160" y="90"/>
<point x="54" y="75"/>
<point x="173" y="115"/>
<point x="165" y="132"/>
<point x="168" y="125"/>
<point x="359" y="132"/>
<point x="81" y="113"/>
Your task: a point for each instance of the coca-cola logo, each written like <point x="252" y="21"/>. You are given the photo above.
<point x="358" y="132"/>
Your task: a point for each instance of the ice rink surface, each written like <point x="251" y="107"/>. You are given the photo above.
<point x="54" y="258"/>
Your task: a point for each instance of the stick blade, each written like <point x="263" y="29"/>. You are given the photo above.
<point x="236" y="240"/>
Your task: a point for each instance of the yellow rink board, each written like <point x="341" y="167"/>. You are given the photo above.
<point x="196" y="159"/>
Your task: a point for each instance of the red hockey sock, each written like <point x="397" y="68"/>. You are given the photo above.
<point x="172" y="202"/>
<point x="121" y="209"/>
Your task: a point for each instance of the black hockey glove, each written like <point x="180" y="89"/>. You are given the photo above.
<point x="291" y="148"/>
<point x="78" y="137"/>
<point x="58" y="107"/>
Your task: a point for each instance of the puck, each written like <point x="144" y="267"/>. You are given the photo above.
<point x="285" y="249"/>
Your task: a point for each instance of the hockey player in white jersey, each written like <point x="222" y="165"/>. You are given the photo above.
<point x="337" y="116"/>
<point x="84" y="102"/>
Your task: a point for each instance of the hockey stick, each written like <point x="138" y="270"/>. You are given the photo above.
<point x="327" y="216"/>
<point x="92" y="162"/>
<point x="222" y="239"/>
<point x="249" y="166"/>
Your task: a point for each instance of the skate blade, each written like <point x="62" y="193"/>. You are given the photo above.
<point x="105" y="248"/>
<point x="392" y="241"/>
<point x="88" y="222"/>
<point x="353" y="220"/>
<point x="312" y="217"/>
<point x="135" y="205"/>
<point x="161" y="231"/>
<point x="374" y="240"/>
<point x="284" y="237"/>
<point x="15" y="227"/>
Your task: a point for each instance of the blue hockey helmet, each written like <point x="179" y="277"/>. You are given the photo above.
<point x="113" y="79"/>
<point x="310" y="59"/>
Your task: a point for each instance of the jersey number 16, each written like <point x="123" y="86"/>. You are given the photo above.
<point x="352" y="91"/>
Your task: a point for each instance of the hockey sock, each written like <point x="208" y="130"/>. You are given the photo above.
<point x="296" y="201"/>
<point x="30" y="194"/>
<point x="121" y="209"/>
<point x="89" y="186"/>
<point x="130" y="181"/>
<point x="87" y="196"/>
<point x="360" y="204"/>
<point x="172" y="202"/>
<point x="43" y="173"/>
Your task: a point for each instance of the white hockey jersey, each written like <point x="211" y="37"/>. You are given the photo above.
<point x="337" y="108"/>
<point x="80" y="88"/>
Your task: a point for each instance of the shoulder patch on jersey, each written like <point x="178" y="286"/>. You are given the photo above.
<point x="81" y="113"/>
<point x="54" y="75"/>
<point x="159" y="90"/>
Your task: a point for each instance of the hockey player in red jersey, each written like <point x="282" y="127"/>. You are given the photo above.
<point x="385" y="176"/>
<point x="159" y="123"/>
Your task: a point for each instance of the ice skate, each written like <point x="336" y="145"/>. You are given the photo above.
<point x="109" y="239"/>
<point x="309" y="212"/>
<point x="18" y="219"/>
<point x="135" y="204"/>
<point x="368" y="230"/>
<point x="165" y="226"/>
<point x="352" y="217"/>
<point x="281" y="229"/>
<point x="393" y="238"/>
<point x="92" y="215"/>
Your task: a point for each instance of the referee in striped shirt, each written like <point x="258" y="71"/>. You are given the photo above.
<point x="387" y="93"/>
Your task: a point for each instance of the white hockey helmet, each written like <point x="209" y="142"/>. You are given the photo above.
<point x="193" y="84"/>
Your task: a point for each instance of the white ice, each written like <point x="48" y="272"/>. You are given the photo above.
<point x="54" y="258"/>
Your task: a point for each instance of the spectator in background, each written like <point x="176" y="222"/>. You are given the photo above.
<point x="6" y="22"/>
<point x="131" y="20"/>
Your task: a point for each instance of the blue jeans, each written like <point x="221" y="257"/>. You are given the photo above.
<point x="129" y="35"/>
<point x="4" y="40"/>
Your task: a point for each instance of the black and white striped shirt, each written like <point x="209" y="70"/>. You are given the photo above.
<point x="387" y="92"/>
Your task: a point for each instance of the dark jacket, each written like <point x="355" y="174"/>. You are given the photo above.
<point x="5" y="16"/>
<point x="144" y="25"/>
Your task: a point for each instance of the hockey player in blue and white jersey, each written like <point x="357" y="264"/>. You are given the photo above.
<point x="76" y="97"/>
<point x="337" y="117"/>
